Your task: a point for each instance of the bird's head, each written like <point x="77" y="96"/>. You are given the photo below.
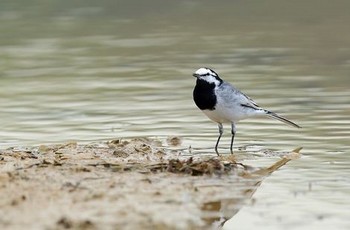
<point x="208" y="75"/>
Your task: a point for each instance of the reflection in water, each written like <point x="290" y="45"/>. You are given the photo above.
<point x="217" y="212"/>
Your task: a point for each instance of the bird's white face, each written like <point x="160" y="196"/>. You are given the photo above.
<point x="208" y="75"/>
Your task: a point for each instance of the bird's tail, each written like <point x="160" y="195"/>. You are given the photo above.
<point x="284" y="120"/>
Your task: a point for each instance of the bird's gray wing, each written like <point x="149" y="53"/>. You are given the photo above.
<point x="250" y="103"/>
<point x="232" y="94"/>
<point x="240" y="97"/>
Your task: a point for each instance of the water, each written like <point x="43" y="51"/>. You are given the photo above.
<point x="89" y="71"/>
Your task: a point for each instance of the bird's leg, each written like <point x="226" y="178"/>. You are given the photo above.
<point x="221" y="130"/>
<point x="233" y="132"/>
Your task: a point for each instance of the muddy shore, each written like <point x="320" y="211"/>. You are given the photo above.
<point x="123" y="184"/>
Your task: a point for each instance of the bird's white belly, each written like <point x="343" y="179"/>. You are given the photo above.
<point x="228" y="114"/>
<point x="223" y="115"/>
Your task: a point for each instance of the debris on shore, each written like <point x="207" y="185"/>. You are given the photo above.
<point x="123" y="184"/>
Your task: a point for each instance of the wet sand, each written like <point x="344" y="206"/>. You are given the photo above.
<point x="123" y="184"/>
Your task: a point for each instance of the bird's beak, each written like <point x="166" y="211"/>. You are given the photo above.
<point x="195" y="75"/>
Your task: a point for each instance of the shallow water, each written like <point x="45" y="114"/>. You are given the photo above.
<point x="97" y="71"/>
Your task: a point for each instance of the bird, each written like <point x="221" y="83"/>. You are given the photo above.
<point x="222" y="103"/>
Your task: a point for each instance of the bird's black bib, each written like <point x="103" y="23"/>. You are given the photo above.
<point x="204" y="95"/>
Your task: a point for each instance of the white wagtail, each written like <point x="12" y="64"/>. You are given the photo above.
<point x="223" y="103"/>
